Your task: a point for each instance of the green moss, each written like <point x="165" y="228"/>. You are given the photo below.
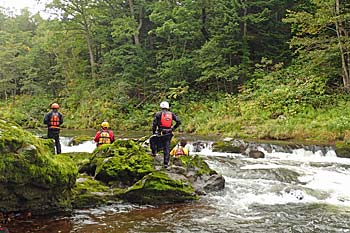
<point x="342" y="149"/>
<point x="221" y="146"/>
<point x="124" y="160"/>
<point x="195" y="163"/>
<point x="158" y="188"/>
<point x="89" y="192"/>
<point x="78" y="158"/>
<point x="160" y="181"/>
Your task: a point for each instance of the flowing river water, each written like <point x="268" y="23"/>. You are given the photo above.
<point x="294" y="191"/>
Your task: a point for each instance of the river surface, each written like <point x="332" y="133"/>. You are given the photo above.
<point x="298" y="191"/>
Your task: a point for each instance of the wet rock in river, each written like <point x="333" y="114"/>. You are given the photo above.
<point x="342" y="150"/>
<point x="137" y="177"/>
<point x="79" y="139"/>
<point x="31" y="176"/>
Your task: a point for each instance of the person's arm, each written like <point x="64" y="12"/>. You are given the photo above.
<point x="97" y="136"/>
<point x="177" y="120"/>
<point x="61" y="119"/>
<point x="47" y="118"/>
<point x="111" y="135"/>
<point x="155" y="123"/>
<point x="186" y="151"/>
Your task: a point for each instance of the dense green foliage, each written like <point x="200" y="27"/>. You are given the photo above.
<point x="275" y="69"/>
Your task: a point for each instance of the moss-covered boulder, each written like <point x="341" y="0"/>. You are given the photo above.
<point x="159" y="188"/>
<point x="124" y="163"/>
<point x="90" y="192"/>
<point x="31" y="177"/>
<point x="342" y="149"/>
<point x="228" y="147"/>
<point x="80" y="159"/>
<point x="133" y="175"/>
<point x="199" y="174"/>
<point x="76" y="140"/>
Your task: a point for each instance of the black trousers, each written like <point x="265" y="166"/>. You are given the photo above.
<point x="161" y="142"/>
<point x="55" y="134"/>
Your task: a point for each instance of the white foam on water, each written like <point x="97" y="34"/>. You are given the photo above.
<point x="330" y="179"/>
<point x="306" y="156"/>
<point x="87" y="146"/>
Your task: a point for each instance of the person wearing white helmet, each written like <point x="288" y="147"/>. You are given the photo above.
<point x="164" y="105"/>
<point x="53" y="120"/>
<point x="163" y="127"/>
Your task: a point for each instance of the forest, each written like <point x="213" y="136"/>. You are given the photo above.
<point x="260" y="69"/>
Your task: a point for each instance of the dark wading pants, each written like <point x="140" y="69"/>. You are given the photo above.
<point x="161" y="142"/>
<point x="55" y="134"/>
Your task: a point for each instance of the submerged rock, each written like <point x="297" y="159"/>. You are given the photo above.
<point x="31" y="177"/>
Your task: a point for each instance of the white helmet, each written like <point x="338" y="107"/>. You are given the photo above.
<point x="164" y="104"/>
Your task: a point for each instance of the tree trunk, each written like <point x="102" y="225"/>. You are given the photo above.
<point x="80" y="8"/>
<point x="341" y="31"/>
<point x="245" y="23"/>
<point x="90" y="47"/>
<point x="204" y="22"/>
<point x="132" y="11"/>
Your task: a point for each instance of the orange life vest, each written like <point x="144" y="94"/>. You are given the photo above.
<point x="166" y="120"/>
<point x="105" y="138"/>
<point x="55" y="121"/>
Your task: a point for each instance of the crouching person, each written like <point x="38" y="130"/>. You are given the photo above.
<point x="104" y="136"/>
<point x="180" y="149"/>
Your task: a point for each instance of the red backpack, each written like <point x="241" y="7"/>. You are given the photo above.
<point x="166" y="120"/>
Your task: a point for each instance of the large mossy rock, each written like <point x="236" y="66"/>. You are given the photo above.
<point x="131" y="174"/>
<point x="90" y="192"/>
<point x="31" y="177"/>
<point x="160" y="188"/>
<point x="199" y="174"/>
<point x="123" y="163"/>
<point x="342" y="149"/>
<point x="227" y="147"/>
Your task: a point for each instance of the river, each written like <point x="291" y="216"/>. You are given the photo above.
<point x="295" y="191"/>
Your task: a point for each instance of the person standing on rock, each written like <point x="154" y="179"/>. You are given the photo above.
<point x="162" y="129"/>
<point x="53" y="120"/>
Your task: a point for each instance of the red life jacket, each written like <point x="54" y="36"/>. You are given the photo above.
<point x="105" y="138"/>
<point x="55" y="121"/>
<point x="166" y="120"/>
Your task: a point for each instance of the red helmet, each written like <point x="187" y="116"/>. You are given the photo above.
<point x="55" y="106"/>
